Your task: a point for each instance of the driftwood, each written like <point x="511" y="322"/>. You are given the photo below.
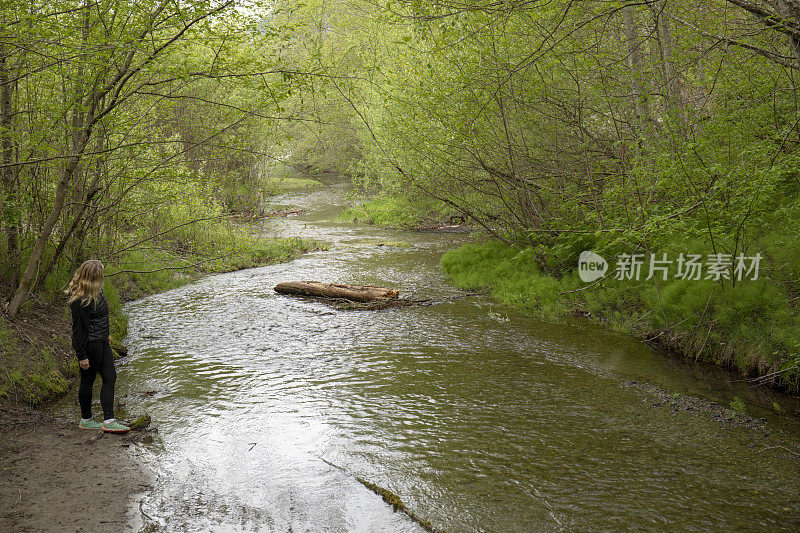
<point x="354" y="293"/>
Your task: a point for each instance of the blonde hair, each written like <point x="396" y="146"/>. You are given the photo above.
<point x="86" y="283"/>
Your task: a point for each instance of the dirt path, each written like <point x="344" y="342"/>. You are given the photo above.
<point x="55" y="477"/>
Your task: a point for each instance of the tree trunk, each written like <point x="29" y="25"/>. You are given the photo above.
<point x="76" y="221"/>
<point x="41" y="241"/>
<point x="791" y="11"/>
<point x="634" y="63"/>
<point x="9" y="171"/>
<point x="79" y="138"/>
<point x="356" y="293"/>
<point x="672" y="82"/>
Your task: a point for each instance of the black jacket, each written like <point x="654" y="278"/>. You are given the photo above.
<point x="89" y="323"/>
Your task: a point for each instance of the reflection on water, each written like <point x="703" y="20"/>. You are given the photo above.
<point x="477" y="417"/>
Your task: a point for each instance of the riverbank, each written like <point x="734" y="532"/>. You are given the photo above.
<point x="751" y="327"/>
<point x="58" y="478"/>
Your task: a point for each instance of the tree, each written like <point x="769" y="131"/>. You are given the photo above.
<point x="87" y="89"/>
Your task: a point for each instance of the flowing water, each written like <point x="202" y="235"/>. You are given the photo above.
<point x="478" y="417"/>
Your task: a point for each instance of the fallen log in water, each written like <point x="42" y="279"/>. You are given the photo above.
<point x="354" y="293"/>
<point x="345" y="304"/>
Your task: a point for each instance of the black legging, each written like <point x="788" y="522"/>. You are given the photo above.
<point x="101" y="359"/>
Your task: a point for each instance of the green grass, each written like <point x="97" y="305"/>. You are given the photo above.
<point x="397" y="212"/>
<point x="281" y="185"/>
<point x="39" y="378"/>
<point x="8" y="337"/>
<point x="738" y="405"/>
<point x="752" y="326"/>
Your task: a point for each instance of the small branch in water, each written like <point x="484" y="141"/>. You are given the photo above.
<point x="397" y="504"/>
<point x="760" y="380"/>
<point x="391" y="498"/>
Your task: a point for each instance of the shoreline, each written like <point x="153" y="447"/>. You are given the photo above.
<point x="761" y="353"/>
<point x="60" y="478"/>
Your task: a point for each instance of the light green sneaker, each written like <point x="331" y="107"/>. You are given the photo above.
<point x="90" y="424"/>
<point x="115" y="427"/>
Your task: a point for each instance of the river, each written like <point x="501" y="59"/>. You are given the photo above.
<point x="478" y="417"/>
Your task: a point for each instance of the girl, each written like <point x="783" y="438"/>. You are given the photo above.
<point x="92" y="344"/>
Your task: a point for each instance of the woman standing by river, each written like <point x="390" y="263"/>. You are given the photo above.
<point x="92" y="343"/>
